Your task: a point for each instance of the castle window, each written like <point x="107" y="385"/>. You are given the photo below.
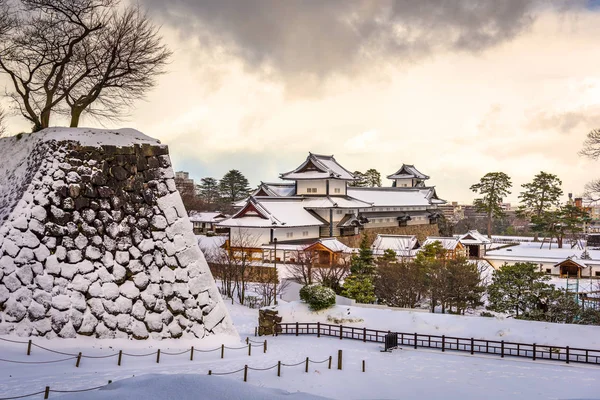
<point x="337" y="190"/>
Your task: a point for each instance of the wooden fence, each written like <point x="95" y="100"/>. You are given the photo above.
<point x="502" y="348"/>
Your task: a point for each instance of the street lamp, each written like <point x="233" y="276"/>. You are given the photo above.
<point x="276" y="275"/>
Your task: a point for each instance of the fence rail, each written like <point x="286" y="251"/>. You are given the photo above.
<point x="502" y="348"/>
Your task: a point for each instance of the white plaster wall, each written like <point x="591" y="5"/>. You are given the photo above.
<point x="336" y="183"/>
<point x="404" y="182"/>
<point x="320" y="184"/>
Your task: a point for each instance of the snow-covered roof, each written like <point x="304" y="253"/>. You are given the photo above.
<point x="278" y="189"/>
<point x="335" y="245"/>
<point x="335" y="202"/>
<point x="448" y="243"/>
<point x="211" y="217"/>
<point x="403" y="245"/>
<point x="531" y="252"/>
<point x="574" y="259"/>
<point x="408" y="171"/>
<point x="272" y="212"/>
<point x="474" y="237"/>
<point x="210" y="243"/>
<point x="318" y="166"/>
<point x="395" y="197"/>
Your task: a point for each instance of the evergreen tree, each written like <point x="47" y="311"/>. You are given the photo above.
<point x="209" y="190"/>
<point x="234" y="186"/>
<point x="359" y="284"/>
<point x="568" y="220"/>
<point x="494" y="186"/>
<point x="518" y="289"/>
<point x="539" y="196"/>
<point x="361" y="179"/>
<point x="372" y="178"/>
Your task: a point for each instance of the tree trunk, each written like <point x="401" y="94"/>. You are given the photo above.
<point x="45" y="119"/>
<point x="536" y="237"/>
<point x="490" y="226"/>
<point x="75" y="115"/>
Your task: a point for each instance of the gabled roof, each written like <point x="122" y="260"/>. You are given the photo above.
<point x="335" y="202"/>
<point x="333" y="245"/>
<point x="448" y="243"/>
<point x="572" y="260"/>
<point x="318" y="166"/>
<point x="207" y="216"/>
<point x="272" y="213"/>
<point x="408" y="171"/>
<point x="278" y="189"/>
<point x="403" y="245"/>
<point x="395" y="196"/>
<point x="474" y="237"/>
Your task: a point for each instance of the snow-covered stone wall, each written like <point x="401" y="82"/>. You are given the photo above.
<point x="95" y="241"/>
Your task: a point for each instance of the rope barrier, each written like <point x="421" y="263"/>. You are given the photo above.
<point x="175" y="354"/>
<point x="208" y="351"/>
<point x="262" y="369"/>
<point x="13" y="341"/>
<point x="319" y="362"/>
<point x="228" y="373"/>
<point x="22" y="396"/>
<point x="236" y="348"/>
<point x="37" y="362"/>
<point x="140" y="355"/>
<point x="112" y="355"/>
<point x="293" y="365"/>
<point x="53" y="351"/>
<point x="76" y="391"/>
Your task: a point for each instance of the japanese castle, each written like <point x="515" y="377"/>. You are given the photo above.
<point x="317" y="201"/>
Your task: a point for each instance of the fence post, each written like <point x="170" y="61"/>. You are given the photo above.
<point x="222" y="350"/>
<point x="78" y="360"/>
<point x="247" y="339"/>
<point x="210" y="371"/>
<point x="158" y="356"/>
<point x="567" y="354"/>
<point x="256" y="331"/>
<point x="278" y="368"/>
<point x="297" y="329"/>
<point x="534" y="352"/>
<point x="29" y="347"/>
<point x="245" y="373"/>
<point x="249" y="349"/>
<point x="265" y="347"/>
<point x="318" y="329"/>
<point x="120" y="356"/>
<point x="364" y="334"/>
<point x="363" y="365"/>
<point x="472" y="345"/>
<point x="341" y="327"/>
<point x="47" y="392"/>
<point x="502" y="348"/>
<point x="329" y="367"/>
<point x="415" y="341"/>
<point x="339" y="359"/>
<point x="443" y="343"/>
<point x="192" y="354"/>
<point x="306" y="367"/>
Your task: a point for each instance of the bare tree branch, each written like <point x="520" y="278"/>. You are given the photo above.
<point x="591" y="145"/>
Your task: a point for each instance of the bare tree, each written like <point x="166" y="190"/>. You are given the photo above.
<point x="121" y="64"/>
<point x="592" y="190"/>
<point x="66" y="55"/>
<point x="39" y="46"/>
<point x="591" y="145"/>
<point x="2" y="125"/>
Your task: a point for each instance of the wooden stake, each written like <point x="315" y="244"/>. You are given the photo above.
<point x="265" y="347"/>
<point x="158" y="356"/>
<point x="47" y="392"/>
<point x="210" y="371"/>
<point x="318" y="329"/>
<point x="249" y="349"/>
<point x="192" y="354"/>
<point x="339" y="359"/>
<point x="245" y="373"/>
<point x="120" y="356"/>
<point x="278" y="368"/>
<point x="222" y="350"/>
<point x="329" y="367"/>
<point x="306" y="367"/>
<point x="29" y="347"/>
<point x="363" y="365"/>
<point x="78" y="360"/>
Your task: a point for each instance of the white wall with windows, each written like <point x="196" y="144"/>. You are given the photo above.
<point x="311" y="187"/>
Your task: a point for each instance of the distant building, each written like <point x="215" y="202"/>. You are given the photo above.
<point x="184" y="184"/>
<point x="205" y="222"/>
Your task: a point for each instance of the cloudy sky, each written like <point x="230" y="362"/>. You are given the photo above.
<point x="458" y="88"/>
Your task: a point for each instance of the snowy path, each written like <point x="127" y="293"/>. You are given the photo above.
<point x="405" y="373"/>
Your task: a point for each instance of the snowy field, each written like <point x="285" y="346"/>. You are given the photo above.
<point x="405" y="373"/>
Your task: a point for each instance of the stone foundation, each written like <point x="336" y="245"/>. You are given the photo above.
<point x="421" y="231"/>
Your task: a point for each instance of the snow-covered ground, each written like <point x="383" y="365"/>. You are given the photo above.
<point x="405" y="373"/>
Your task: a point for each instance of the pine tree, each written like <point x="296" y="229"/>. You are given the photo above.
<point x="539" y="196"/>
<point x="494" y="186"/>
<point x="372" y="178"/>
<point x="361" y="179"/>
<point x="209" y="190"/>
<point x="234" y="186"/>
<point x="518" y="289"/>
<point x="359" y="284"/>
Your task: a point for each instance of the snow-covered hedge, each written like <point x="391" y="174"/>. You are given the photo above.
<point x="317" y="297"/>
